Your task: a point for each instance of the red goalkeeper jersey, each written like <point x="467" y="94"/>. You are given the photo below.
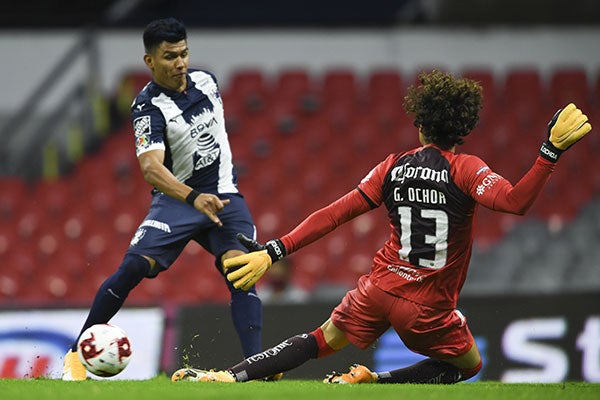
<point x="431" y="197"/>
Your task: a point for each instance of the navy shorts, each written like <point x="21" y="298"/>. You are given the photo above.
<point x="171" y="224"/>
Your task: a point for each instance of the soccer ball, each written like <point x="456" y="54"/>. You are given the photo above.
<point x="104" y="350"/>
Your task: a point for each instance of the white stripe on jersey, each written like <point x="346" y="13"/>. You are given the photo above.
<point x="209" y="87"/>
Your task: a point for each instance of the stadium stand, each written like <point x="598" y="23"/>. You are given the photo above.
<point x="334" y="127"/>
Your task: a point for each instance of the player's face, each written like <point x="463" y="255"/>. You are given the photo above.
<point x="169" y="63"/>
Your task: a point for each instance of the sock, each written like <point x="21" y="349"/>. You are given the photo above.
<point x="426" y="371"/>
<point x="324" y="348"/>
<point x="246" y="312"/>
<point x="112" y="293"/>
<point x="471" y="372"/>
<point x="287" y="355"/>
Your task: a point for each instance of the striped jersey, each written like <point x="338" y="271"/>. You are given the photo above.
<point x="190" y="127"/>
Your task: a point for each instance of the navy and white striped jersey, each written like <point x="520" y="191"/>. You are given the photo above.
<point x="190" y="127"/>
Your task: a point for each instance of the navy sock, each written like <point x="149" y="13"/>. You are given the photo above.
<point x="112" y="293"/>
<point x="426" y="371"/>
<point x="289" y="354"/>
<point x="246" y="312"/>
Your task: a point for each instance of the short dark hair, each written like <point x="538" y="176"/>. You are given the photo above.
<point x="445" y="108"/>
<point x="163" y="30"/>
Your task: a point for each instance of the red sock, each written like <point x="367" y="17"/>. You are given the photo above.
<point x="469" y="373"/>
<point x="324" y="348"/>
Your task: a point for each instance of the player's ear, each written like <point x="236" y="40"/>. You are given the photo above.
<point x="149" y="61"/>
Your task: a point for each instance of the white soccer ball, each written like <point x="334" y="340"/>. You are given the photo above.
<point x="104" y="350"/>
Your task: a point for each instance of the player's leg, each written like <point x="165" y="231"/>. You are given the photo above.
<point x="246" y="307"/>
<point x="446" y="339"/>
<point x="355" y="320"/>
<point x="246" y="313"/>
<point x="362" y="315"/>
<point x="107" y="302"/>
<point x="158" y="241"/>
<point x="432" y="370"/>
<point x="114" y="290"/>
<point x="287" y="355"/>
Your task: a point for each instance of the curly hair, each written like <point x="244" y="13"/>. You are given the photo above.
<point x="446" y="109"/>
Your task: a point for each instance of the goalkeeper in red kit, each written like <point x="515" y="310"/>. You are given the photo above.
<point x="431" y="194"/>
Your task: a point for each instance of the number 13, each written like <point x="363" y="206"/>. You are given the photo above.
<point x="439" y="240"/>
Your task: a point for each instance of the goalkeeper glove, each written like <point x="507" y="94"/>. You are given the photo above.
<point x="567" y="126"/>
<point x="254" y="264"/>
<point x="275" y="248"/>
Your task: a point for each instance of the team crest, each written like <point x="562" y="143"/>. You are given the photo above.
<point x="141" y="126"/>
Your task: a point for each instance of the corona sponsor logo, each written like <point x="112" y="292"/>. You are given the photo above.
<point x="407" y="171"/>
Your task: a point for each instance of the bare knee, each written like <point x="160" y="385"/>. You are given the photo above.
<point x="333" y="336"/>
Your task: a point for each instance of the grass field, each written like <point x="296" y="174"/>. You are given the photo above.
<point x="161" y="388"/>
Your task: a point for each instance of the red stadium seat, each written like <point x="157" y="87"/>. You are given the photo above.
<point x="54" y="197"/>
<point x="339" y="84"/>
<point x="293" y="87"/>
<point x="309" y="269"/>
<point x="385" y="90"/>
<point x="569" y="84"/>
<point x="385" y="86"/>
<point x="10" y="286"/>
<point x="13" y="193"/>
<point x="248" y="86"/>
<point x="524" y="96"/>
<point x="339" y="94"/>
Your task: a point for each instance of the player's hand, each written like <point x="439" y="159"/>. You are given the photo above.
<point x="275" y="248"/>
<point x="254" y="264"/>
<point x="252" y="267"/>
<point x="210" y="205"/>
<point x="567" y="127"/>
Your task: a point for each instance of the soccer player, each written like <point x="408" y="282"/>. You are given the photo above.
<point x="431" y="194"/>
<point x="184" y="153"/>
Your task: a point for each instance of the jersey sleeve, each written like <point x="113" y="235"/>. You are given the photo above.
<point x="495" y="192"/>
<point x="148" y="126"/>
<point x="372" y="185"/>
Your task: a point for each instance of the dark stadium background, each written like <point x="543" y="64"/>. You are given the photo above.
<point x="68" y="207"/>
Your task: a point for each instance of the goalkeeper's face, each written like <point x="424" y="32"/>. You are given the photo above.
<point x="169" y="64"/>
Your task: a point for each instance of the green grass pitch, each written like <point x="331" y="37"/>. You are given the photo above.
<point x="161" y="388"/>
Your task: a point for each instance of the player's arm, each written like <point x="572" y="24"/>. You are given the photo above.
<point x="498" y="194"/>
<point x="567" y="127"/>
<point x="254" y="264"/>
<point x="159" y="176"/>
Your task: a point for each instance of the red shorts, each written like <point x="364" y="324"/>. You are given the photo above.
<point x="366" y="312"/>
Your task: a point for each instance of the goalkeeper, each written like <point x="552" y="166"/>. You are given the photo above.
<point x="417" y="275"/>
